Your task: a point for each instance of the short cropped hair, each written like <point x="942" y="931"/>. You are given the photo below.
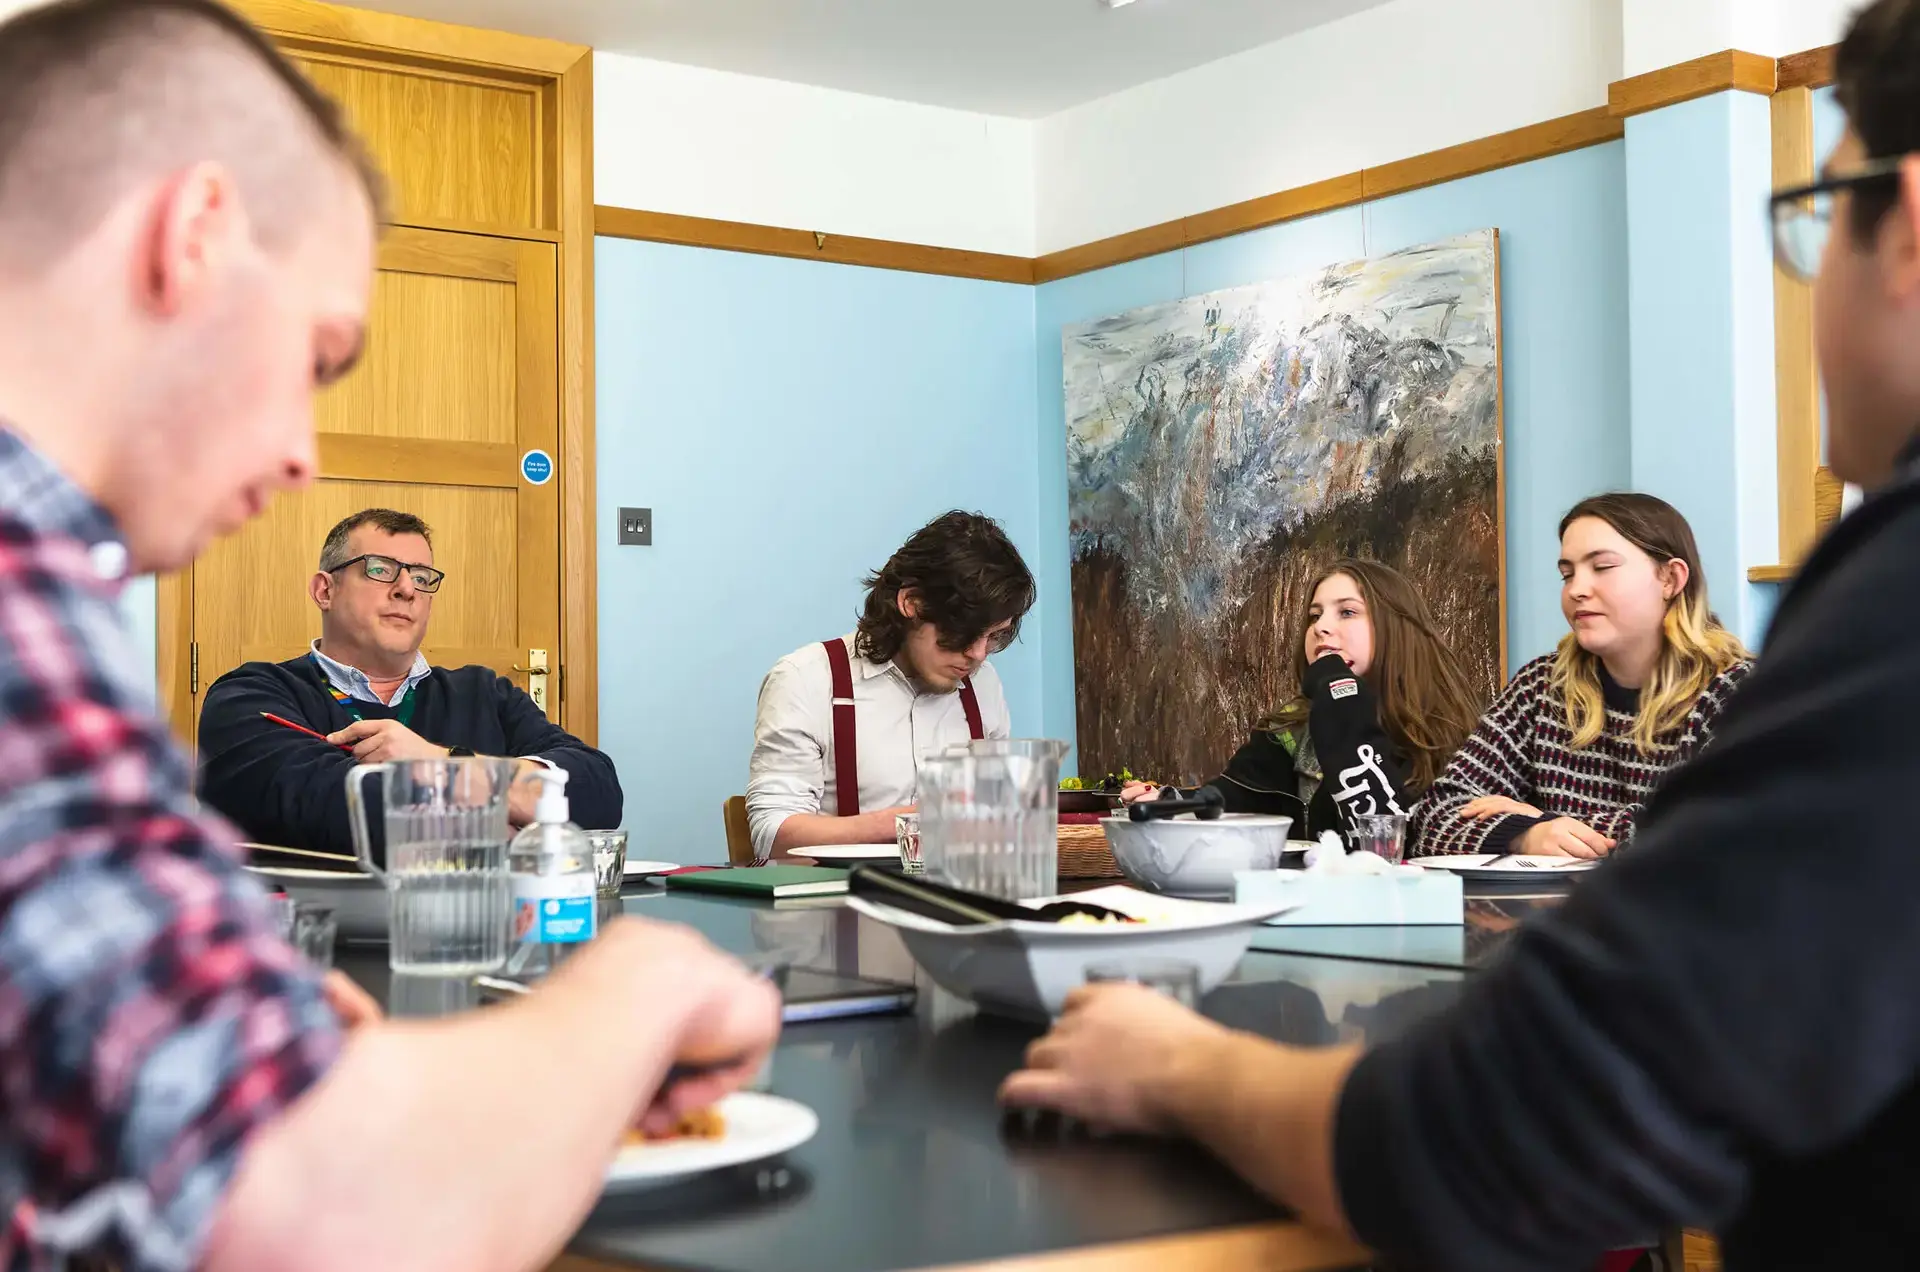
<point x="1877" y="82"/>
<point x="334" y="551"/>
<point x="98" y="95"/>
<point x="969" y="578"/>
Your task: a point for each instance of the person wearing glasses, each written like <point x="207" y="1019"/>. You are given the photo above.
<point x="366" y="686"/>
<point x="843" y="724"/>
<point x="1718" y="1029"/>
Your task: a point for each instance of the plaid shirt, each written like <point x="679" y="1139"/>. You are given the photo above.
<point x="150" y="1017"/>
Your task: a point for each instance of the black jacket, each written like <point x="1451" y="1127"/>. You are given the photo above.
<point x="283" y="787"/>
<point x="1364" y="772"/>
<point x="1720" y="1029"/>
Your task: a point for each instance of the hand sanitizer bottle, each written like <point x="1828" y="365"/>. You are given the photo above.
<point x="551" y="861"/>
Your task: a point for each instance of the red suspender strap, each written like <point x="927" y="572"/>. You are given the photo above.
<point x="846" y="757"/>
<point x="970" y="703"/>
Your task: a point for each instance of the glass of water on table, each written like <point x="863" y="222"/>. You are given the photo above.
<point x="449" y="895"/>
<point x="1382" y="834"/>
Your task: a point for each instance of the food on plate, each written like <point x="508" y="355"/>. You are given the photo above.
<point x="705" y="1124"/>
<point x="1111" y="784"/>
<point x="1096" y="920"/>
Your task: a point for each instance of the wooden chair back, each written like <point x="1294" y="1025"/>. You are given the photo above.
<point x="739" y="836"/>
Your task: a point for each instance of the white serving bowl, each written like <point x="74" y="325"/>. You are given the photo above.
<point x="1026" y="969"/>
<point x="1185" y="857"/>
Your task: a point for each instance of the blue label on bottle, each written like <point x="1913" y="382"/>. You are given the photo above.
<point x="553" y="910"/>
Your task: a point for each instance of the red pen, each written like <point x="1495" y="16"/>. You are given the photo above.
<point x="301" y="728"/>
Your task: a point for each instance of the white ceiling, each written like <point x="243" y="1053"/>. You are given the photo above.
<point x="1025" y="58"/>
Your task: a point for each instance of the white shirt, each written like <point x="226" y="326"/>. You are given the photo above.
<point x="895" y="727"/>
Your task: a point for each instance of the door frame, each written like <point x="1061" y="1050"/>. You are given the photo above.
<point x="563" y="75"/>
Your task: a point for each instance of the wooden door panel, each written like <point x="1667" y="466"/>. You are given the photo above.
<point x="272" y="618"/>
<point x="454" y="147"/>
<point x="459" y="379"/>
<point x="465" y="392"/>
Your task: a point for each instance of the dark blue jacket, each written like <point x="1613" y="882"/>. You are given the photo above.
<point x="282" y="787"/>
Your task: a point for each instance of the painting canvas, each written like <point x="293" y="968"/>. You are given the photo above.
<point x="1223" y="449"/>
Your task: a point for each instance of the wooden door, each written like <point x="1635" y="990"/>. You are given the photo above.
<point x="459" y="379"/>
<point x="481" y="348"/>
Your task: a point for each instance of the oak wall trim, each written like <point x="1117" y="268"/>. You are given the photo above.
<point x="1811" y="69"/>
<point x="811" y="245"/>
<point x="1729" y="69"/>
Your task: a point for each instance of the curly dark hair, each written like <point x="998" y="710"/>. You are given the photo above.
<point x="969" y="579"/>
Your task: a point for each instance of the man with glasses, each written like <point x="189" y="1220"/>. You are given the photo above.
<point x="367" y="687"/>
<point x="843" y="724"/>
<point x="1720" y="1028"/>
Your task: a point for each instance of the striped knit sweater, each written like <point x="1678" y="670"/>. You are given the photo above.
<point x="1522" y="749"/>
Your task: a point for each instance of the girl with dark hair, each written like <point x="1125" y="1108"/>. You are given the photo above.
<point x="1383" y="704"/>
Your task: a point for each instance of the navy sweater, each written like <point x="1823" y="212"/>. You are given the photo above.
<point x="1719" y="1029"/>
<point x="283" y="787"/>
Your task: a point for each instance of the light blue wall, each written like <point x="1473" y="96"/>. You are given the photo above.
<point x="789" y="423"/>
<point x="1563" y="232"/>
<point x="1700" y="271"/>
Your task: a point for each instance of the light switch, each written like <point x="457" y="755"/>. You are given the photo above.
<point x="636" y="527"/>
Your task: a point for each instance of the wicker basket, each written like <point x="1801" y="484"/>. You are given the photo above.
<point x="1084" y="854"/>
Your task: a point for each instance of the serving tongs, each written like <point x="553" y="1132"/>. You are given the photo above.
<point x="1206" y="804"/>
<point x="958" y="907"/>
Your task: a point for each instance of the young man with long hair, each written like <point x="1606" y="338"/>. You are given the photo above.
<point x="843" y="724"/>
<point x="1719" y="1028"/>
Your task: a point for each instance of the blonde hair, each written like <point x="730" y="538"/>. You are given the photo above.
<point x="1694" y="647"/>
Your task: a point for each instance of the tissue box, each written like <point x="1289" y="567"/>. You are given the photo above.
<point x="1410" y="896"/>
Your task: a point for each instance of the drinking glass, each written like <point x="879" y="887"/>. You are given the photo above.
<point x="1177" y="979"/>
<point x="989" y="816"/>
<point x="314" y="928"/>
<point x="1382" y="834"/>
<point x="282" y="907"/>
<point x="449" y="895"/>
<point x="609" y="861"/>
<point x="906" y="833"/>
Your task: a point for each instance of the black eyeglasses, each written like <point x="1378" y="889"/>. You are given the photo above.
<point x="384" y="569"/>
<point x="1803" y="216"/>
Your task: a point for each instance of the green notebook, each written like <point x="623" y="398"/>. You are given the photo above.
<point x="764" y="881"/>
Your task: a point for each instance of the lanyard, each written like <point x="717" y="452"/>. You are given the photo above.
<point x="403" y="713"/>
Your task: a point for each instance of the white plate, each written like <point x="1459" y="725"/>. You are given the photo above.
<point x="1487" y="866"/>
<point x="757" y="1126"/>
<point x="648" y="867"/>
<point x="850" y="852"/>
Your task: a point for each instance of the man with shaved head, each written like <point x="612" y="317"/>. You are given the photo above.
<point x="186" y="253"/>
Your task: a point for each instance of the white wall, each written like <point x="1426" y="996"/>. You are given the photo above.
<point x="1662" y="33"/>
<point x="1395" y="81"/>
<point x="682" y="139"/>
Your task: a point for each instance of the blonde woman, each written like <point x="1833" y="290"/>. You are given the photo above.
<point x="1563" y="762"/>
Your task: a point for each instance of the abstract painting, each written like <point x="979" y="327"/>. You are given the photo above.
<point x="1223" y="449"/>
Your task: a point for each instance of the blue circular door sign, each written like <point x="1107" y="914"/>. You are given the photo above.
<point x="537" y="467"/>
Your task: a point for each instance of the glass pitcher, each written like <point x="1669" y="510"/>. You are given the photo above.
<point x="989" y="816"/>
<point x="449" y="896"/>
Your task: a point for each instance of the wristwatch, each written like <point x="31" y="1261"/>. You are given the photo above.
<point x="459" y="752"/>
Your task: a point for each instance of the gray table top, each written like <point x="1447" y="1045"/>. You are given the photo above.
<point x="913" y="1165"/>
